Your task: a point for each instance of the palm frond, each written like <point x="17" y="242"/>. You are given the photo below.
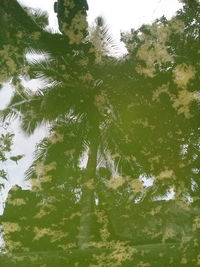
<point x="12" y="110"/>
<point x="29" y="124"/>
<point x="40" y="154"/>
<point x="65" y="152"/>
<point x="36" y="55"/>
<point x="8" y="114"/>
<point x="39" y="16"/>
<point x="102" y="40"/>
<point x="47" y="69"/>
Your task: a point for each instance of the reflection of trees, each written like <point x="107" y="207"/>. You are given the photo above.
<point x="133" y="117"/>
<point x="5" y="149"/>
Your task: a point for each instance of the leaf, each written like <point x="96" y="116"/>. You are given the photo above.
<point x="3" y="175"/>
<point x="17" y="158"/>
<point x="2" y="186"/>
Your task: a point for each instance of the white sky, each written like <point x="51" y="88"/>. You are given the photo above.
<point x="120" y="15"/>
<point x="127" y="14"/>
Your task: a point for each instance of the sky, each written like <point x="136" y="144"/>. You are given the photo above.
<point x="120" y="15"/>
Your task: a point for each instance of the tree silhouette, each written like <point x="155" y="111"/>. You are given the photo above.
<point x="133" y="118"/>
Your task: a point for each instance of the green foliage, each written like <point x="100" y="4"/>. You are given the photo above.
<point x="135" y="119"/>
<point x="6" y="141"/>
<point x="40" y="17"/>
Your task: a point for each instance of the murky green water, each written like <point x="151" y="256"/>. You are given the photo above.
<point x="115" y="181"/>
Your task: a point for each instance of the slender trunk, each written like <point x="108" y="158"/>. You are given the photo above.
<point x="86" y="232"/>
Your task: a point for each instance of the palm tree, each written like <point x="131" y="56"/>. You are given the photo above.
<point x="79" y="96"/>
<point x="121" y="112"/>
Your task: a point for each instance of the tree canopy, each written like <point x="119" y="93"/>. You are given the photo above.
<point x="123" y="136"/>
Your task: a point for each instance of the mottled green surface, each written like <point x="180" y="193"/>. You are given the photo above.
<point x="131" y="120"/>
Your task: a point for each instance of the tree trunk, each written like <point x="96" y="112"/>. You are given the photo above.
<point x="86" y="232"/>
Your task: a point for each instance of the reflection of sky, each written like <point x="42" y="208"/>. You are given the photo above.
<point x="5" y="95"/>
<point x="22" y="145"/>
<point x="120" y="15"/>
